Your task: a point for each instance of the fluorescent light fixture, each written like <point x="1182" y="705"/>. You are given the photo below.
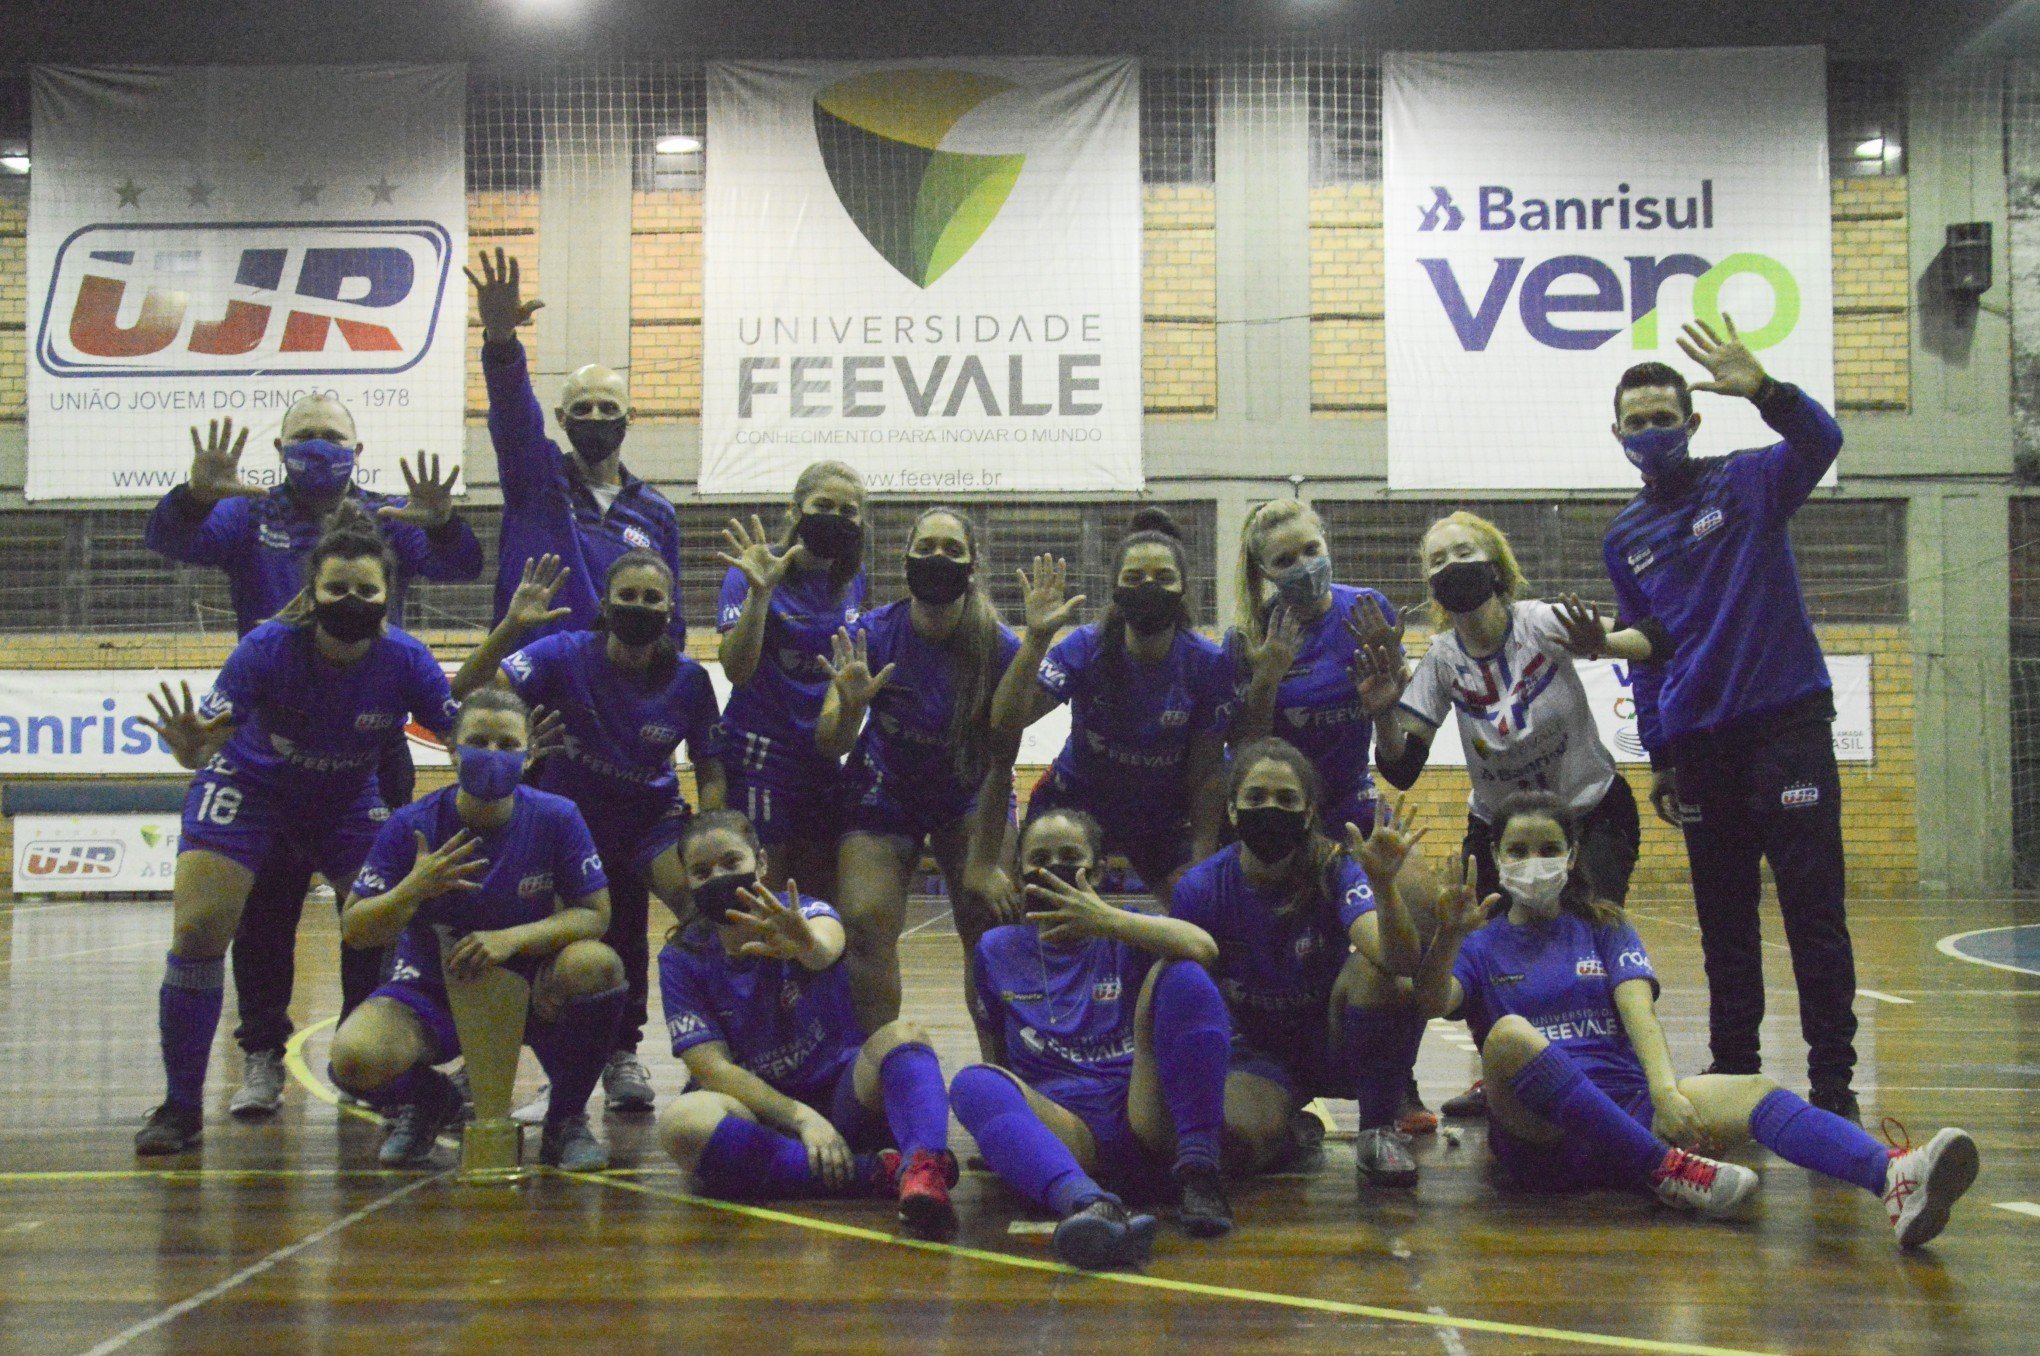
<point x="677" y="145"/>
<point x="14" y="164"/>
<point x="1873" y="149"/>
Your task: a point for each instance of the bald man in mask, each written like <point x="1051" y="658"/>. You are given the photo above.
<point x="581" y="505"/>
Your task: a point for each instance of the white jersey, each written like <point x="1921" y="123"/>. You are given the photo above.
<point x="1523" y="713"/>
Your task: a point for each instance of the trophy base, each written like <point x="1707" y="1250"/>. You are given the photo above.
<point x="491" y="1153"/>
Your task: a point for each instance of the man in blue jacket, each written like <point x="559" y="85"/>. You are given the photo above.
<point x="586" y="508"/>
<point x="260" y="538"/>
<point x="1736" y="707"/>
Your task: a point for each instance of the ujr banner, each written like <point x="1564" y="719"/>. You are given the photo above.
<point x="930" y="270"/>
<point x="215" y="242"/>
<point x="1555" y="217"/>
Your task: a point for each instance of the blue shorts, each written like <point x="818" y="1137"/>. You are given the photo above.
<point x="863" y="1129"/>
<point x="1306" y="1068"/>
<point x="630" y="838"/>
<point x="416" y="982"/>
<point x="883" y="804"/>
<point x="802" y="810"/>
<point x="1572" y="1164"/>
<point x="1161" y="847"/>
<point x="249" y="819"/>
<point x="1125" y="1165"/>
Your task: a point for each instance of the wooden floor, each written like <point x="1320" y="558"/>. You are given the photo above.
<point x="282" y="1237"/>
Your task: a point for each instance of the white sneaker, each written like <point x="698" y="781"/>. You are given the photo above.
<point x="534" y="1111"/>
<point x="1922" y="1185"/>
<point x="627" y="1084"/>
<point x="261" y="1090"/>
<point x="1691" y="1182"/>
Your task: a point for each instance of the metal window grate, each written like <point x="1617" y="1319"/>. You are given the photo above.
<point x="1866" y="119"/>
<point x="1345" y="119"/>
<point x="1178" y="125"/>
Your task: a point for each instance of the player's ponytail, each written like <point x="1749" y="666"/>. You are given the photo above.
<point x="1250" y="614"/>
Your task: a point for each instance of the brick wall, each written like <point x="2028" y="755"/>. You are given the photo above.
<point x="13" y="307"/>
<point x="506" y="221"/>
<point x="665" y="304"/>
<point x="1179" y="300"/>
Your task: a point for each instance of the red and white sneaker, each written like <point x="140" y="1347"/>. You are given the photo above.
<point x="1922" y="1185"/>
<point x="925" y="1180"/>
<point x="1691" y="1182"/>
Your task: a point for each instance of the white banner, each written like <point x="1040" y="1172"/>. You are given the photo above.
<point x="1552" y="218"/>
<point x="931" y="270"/>
<point x="94" y="854"/>
<point x="1607" y="684"/>
<point x="213" y="242"/>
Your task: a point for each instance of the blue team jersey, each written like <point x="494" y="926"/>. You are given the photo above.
<point x="1064" y="1014"/>
<point x="770" y="722"/>
<point x="906" y="738"/>
<point x="621" y="731"/>
<point x="1560" y="977"/>
<point x="323" y="727"/>
<point x="1131" y="724"/>
<point x="792" y="1026"/>
<point x="1317" y="705"/>
<point x="1276" y="973"/>
<point x="541" y="856"/>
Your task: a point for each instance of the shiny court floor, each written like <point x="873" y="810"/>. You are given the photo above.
<point x="283" y="1237"/>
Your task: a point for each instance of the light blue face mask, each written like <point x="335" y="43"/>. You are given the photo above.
<point x="317" y="469"/>
<point x="1657" y="451"/>
<point x="1305" y="583"/>
<point x="490" y="774"/>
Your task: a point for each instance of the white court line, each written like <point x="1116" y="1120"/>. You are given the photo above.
<point x="1883" y="997"/>
<point x="2018" y="1207"/>
<point x="925" y="922"/>
<point x="1946" y="946"/>
<point x="67" y="955"/>
<point x="250" y="1272"/>
<point x="1877" y="994"/>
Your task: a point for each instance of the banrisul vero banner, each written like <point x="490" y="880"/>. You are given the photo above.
<point x="1554" y="217"/>
<point x="215" y="242"/>
<point x="930" y="270"/>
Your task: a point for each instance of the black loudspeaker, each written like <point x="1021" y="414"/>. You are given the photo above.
<point x="1965" y="259"/>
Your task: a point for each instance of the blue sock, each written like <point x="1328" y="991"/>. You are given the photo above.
<point x="1193" y="1035"/>
<point x="419" y="1083"/>
<point x="746" y="1160"/>
<point x="1801" y="1133"/>
<point x="1017" y="1146"/>
<point x="574" y="1049"/>
<point x="1557" y="1089"/>
<point x="916" y="1109"/>
<point x="187" y="1015"/>
<point x="1378" y="1049"/>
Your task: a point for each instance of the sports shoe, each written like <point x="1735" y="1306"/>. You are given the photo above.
<point x="1470" y="1105"/>
<point x="1382" y="1160"/>
<point x="1304" y="1150"/>
<point x="569" y="1145"/>
<point x="1203" y="1210"/>
<point x="628" y="1084"/>
<point x="1415" y="1118"/>
<point x="1101" y="1234"/>
<point x="414" y="1130"/>
<point x="1695" y="1183"/>
<point x="1922" y="1185"/>
<point x="924" y="1194"/>
<point x="261" y="1090"/>
<point x="1837" y="1098"/>
<point x="535" y="1111"/>
<point x="170" y="1130"/>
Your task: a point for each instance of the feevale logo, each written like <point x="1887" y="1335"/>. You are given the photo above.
<point x="244" y="299"/>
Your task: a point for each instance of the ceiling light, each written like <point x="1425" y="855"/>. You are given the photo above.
<point x="1873" y="149"/>
<point x="678" y="145"/>
<point x="14" y="164"/>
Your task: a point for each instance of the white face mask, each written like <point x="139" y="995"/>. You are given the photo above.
<point x="1536" y="883"/>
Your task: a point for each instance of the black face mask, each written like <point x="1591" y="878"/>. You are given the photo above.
<point x="635" y="625"/>
<point x="1066" y="872"/>
<point x="830" y="536"/>
<point x="1149" y="608"/>
<point x="1270" y="832"/>
<point x="349" y="619"/>
<point x="716" y="896"/>
<point x="594" y="439"/>
<point x="937" y="580"/>
<point x="1465" y="584"/>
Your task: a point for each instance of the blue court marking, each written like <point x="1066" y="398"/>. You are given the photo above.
<point x="2012" y="948"/>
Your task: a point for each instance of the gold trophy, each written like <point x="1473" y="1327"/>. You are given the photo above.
<point x="488" y="1015"/>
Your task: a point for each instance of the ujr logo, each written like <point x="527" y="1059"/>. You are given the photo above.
<point x="224" y="300"/>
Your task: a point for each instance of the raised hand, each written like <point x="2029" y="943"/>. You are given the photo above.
<point x="1459" y="910"/>
<point x="531" y="605"/>
<point x="1047" y="610"/>
<point x="1586" y="635"/>
<point x="1382" y="853"/>
<point x="1065" y="912"/>
<point x="428" y="500"/>
<point x="1380" y="674"/>
<point x="181" y="727"/>
<point x="548" y="735"/>
<point x="499" y="297"/>
<point x="774" y="930"/>
<point x="1368" y="625"/>
<point x="849" y="665"/>
<point x="216" y="464"/>
<point x="451" y="867"/>
<point x="1735" y="369"/>
<point x="1276" y="653"/>
<point x="751" y="551"/>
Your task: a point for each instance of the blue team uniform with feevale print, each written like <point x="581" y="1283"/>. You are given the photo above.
<point x="300" y="765"/>
<point x="791" y="1026"/>
<point x="622" y="728"/>
<point x="1064" y="1016"/>
<point x="1317" y="707"/>
<point x="786" y="786"/>
<point x="1560" y="976"/>
<point x="543" y="855"/>
<point x="1131" y="727"/>
<point x="901" y="773"/>
<point x="1277" y="972"/>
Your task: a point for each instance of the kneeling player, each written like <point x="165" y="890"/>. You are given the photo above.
<point x="791" y="1097"/>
